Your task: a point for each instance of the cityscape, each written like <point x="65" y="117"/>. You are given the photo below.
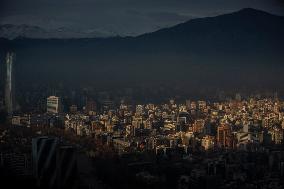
<point x="198" y="103"/>
<point x="231" y="142"/>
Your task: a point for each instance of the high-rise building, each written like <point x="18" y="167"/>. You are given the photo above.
<point x="223" y="135"/>
<point x="9" y="83"/>
<point x="18" y="163"/>
<point x="91" y="105"/>
<point x="54" y="164"/>
<point x="53" y="105"/>
<point x="187" y="104"/>
<point x="44" y="161"/>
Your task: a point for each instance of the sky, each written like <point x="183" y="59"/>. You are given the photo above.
<point x="121" y="17"/>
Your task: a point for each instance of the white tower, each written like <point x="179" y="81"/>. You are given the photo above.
<point x="9" y="81"/>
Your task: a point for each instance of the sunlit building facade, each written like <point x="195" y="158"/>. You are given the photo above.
<point x="53" y="105"/>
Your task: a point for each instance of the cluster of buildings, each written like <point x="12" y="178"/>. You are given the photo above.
<point x="236" y="124"/>
<point x="229" y="143"/>
<point x="218" y="139"/>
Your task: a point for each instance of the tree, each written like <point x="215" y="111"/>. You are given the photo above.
<point x="3" y="116"/>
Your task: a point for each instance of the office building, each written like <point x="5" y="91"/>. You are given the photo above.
<point x="9" y="93"/>
<point x="54" y="165"/>
<point x="44" y="161"/>
<point x="53" y="105"/>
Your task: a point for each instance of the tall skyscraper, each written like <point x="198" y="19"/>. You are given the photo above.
<point x="44" y="161"/>
<point x="9" y="83"/>
<point x="54" y="164"/>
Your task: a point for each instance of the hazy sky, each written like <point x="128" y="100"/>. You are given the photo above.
<point x="123" y="17"/>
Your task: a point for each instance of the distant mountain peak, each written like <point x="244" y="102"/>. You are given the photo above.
<point x="251" y="12"/>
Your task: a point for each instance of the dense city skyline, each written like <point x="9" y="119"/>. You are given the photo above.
<point x="118" y="94"/>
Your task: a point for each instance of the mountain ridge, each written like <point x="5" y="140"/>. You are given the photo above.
<point x="244" y="12"/>
<point x="11" y="32"/>
<point x="201" y="52"/>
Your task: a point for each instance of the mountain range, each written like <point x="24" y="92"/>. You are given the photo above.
<point x="240" y="49"/>
<point x="10" y="31"/>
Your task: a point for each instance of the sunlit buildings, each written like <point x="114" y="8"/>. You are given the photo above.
<point x="223" y="135"/>
<point x="53" y="105"/>
<point x="208" y="142"/>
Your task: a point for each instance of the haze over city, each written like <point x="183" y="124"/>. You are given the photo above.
<point x="142" y="94"/>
